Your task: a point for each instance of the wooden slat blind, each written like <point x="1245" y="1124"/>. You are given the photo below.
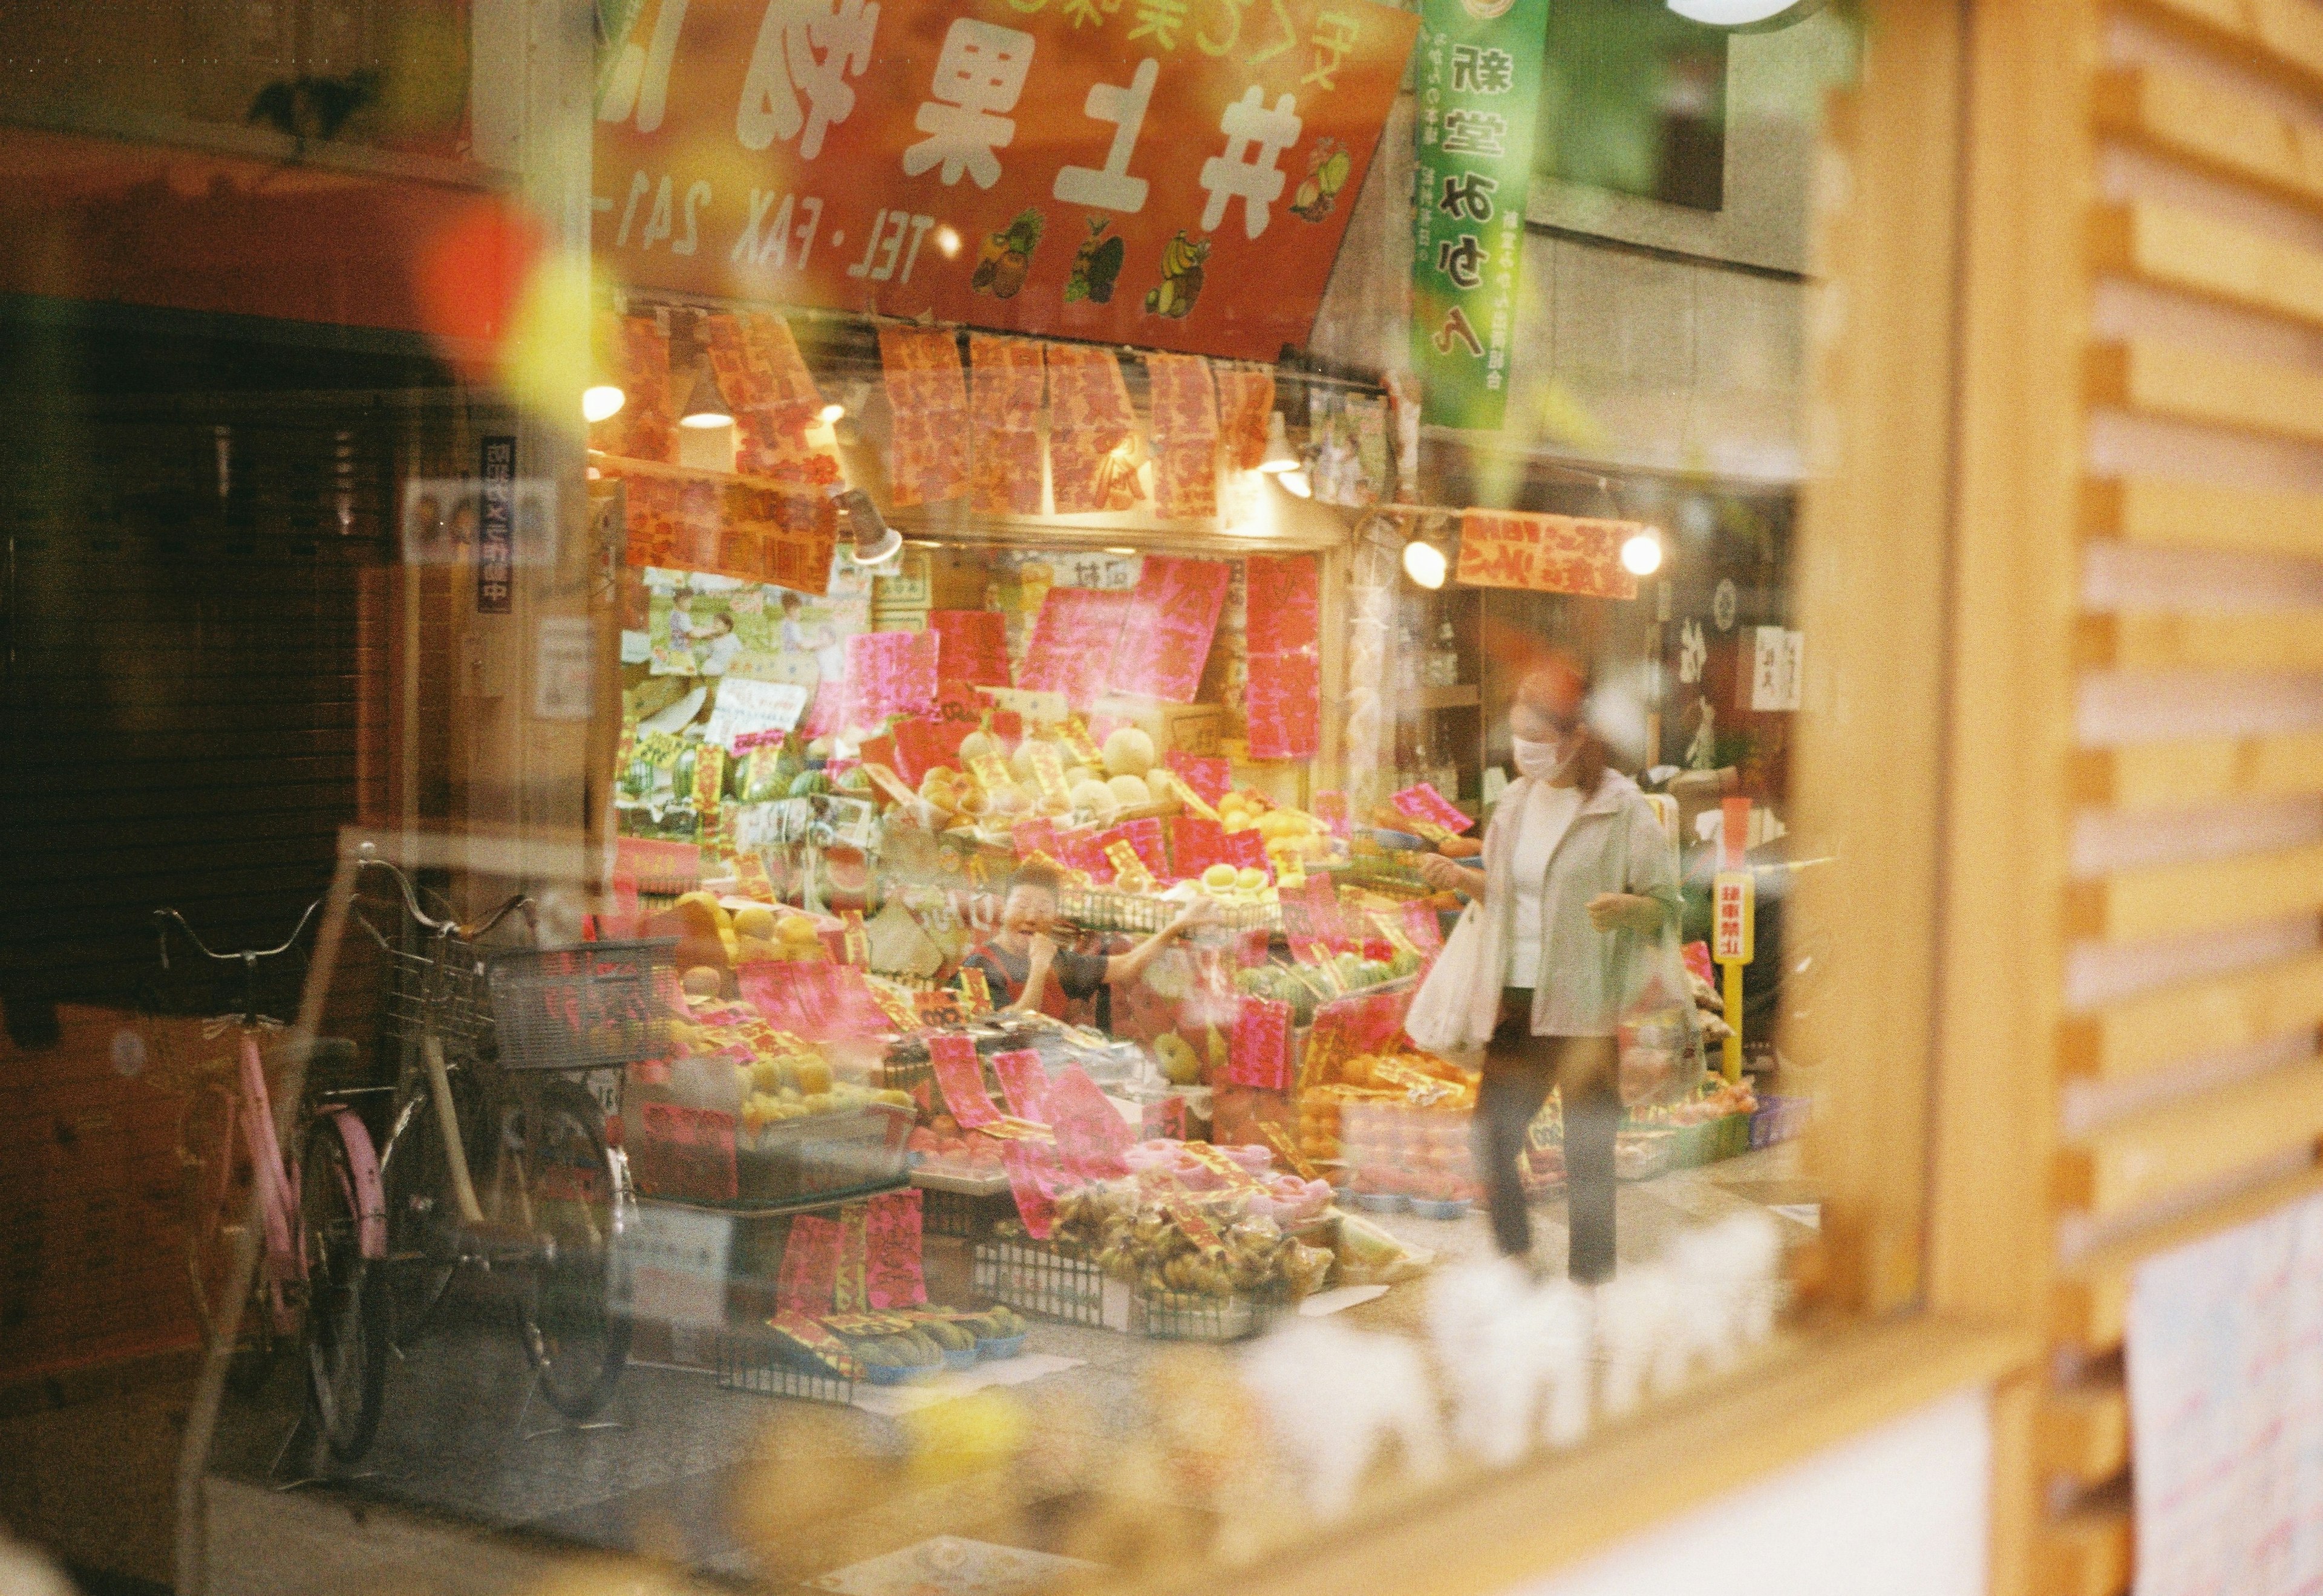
<point x="2205" y="278"/>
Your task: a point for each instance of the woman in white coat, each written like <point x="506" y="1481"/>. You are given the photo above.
<point x="1574" y="857"/>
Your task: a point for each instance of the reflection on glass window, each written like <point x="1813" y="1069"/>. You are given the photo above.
<point x="1028" y="816"/>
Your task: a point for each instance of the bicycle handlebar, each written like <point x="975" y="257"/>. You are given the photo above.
<point x="369" y="860"/>
<point x="162" y="918"/>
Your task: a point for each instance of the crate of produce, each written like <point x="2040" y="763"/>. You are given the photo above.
<point x="1709" y="1140"/>
<point x="1189" y="1316"/>
<point x="823" y="1156"/>
<point x="598" y="1006"/>
<point x="1035" y="1278"/>
<point x="763" y="1365"/>
<point x="1779" y="1119"/>
<point x="1642" y="1155"/>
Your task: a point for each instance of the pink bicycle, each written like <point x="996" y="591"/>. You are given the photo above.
<point x="320" y="1220"/>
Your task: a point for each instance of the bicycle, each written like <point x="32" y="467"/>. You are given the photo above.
<point x="544" y="1195"/>
<point x="321" y="1217"/>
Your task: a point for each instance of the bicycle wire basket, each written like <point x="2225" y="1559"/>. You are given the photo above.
<point x="455" y="991"/>
<point x="594" y="1006"/>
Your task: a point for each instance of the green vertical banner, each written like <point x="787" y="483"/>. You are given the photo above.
<point x="1478" y="77"/>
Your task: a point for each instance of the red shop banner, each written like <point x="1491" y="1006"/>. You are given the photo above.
<point x="1173" y="174"/>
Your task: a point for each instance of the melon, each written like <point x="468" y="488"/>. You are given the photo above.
<point x="1161" y="788"/>
<point x="1129" y="751"/>
<point x="1096" y="798"/>
<point x="1020" y="762"/>
<point x="1129" y="791"/>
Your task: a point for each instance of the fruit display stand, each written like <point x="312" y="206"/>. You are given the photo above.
<point x="1044" y="1280"/>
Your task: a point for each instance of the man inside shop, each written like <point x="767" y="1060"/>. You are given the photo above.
<point x="1027" y="968"/>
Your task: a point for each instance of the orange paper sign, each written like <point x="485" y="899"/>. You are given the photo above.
<point x="1174" y="174"/>
<point x="1546" y="554"/>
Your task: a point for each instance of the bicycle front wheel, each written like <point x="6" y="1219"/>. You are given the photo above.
<point x="569" y="1192"/>
<point x="346" y="1330"/>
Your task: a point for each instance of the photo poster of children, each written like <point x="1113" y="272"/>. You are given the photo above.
<point x="708" y="626"/>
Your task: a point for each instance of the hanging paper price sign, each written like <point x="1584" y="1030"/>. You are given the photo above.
<point x="1023" y="1082"/>
<point x="960" y="1075"/>
<point x="1075" y="732"/>
<point x="1426" y="807"/>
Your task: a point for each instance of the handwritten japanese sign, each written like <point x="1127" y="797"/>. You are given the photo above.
<point x="1546" y="554"/>
<point x="1478" y="84"/>
<point x="1078" y="167"/>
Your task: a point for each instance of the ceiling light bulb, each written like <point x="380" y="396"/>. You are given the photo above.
<point x="705" y="407"/>
<point x="830" y="412"/>
<point x="1297" y="483"/>
<point x="601" y="401"/>
<point x="1425" y="564"/>
<point x="1279" y="457"/>
<point x="1641" y="555"/>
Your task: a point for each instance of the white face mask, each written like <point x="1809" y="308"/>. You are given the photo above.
<point x="1539" y="761"/>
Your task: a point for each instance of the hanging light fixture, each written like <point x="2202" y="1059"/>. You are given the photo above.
<point x="1296" y="482"/>
<point x="601" y="401"/>
<point x="705" y="405"/>
<point x="875" y="542"/>
<point x="1425" y="564"/>
<point x="1279" y="459"/>
<point x="1641" y="555"/>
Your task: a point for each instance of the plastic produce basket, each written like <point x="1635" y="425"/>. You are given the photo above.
<point x="753" y="1361"/>
<point x="1035" y="1278"/>
<point x="596" y="1006"/>
<point x="1183" y="1316"/>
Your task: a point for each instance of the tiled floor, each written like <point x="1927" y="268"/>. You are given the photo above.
<point x="461" y="1439"/>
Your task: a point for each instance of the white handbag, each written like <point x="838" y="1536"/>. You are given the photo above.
<point x="1443" y="1011"/>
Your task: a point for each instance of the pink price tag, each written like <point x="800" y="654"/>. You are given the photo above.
<point x="1424" y="803"/>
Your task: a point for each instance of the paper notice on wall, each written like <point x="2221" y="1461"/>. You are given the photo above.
<point x="2225" y="1394"/>
<point x="1775" y="655"/>
<point x="563" y="668"/>
<point x="744" y="706"/>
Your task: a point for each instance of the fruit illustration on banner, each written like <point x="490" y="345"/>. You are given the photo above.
<point x="1007" y="256"/>
<point x="1327" y="174"/>
<point x="1096" y="264"/>
<point x="1181" y="277"/>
